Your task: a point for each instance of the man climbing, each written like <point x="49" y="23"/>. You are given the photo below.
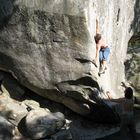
<point x="102" y="50"/>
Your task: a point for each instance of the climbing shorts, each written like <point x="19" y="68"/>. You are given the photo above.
<point x="104" y="53"/>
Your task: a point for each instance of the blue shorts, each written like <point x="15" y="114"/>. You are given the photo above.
<point x="104" y="53"/>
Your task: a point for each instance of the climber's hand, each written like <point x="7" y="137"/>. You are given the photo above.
<point x="123" y="84"/>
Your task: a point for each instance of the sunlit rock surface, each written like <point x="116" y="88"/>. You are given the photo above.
<point x="46" y="45"/>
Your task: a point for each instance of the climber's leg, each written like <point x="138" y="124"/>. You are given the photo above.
<point x="106" y="52"/>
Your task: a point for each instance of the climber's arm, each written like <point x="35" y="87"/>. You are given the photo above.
<point x="98" y="47"/>
<point x="123" y="85"/>
<point x="97" y="27"/>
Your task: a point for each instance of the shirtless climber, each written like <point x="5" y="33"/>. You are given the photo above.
<point x="102" y="50"/>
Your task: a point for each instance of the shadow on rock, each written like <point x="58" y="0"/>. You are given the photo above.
<point x="7" y="9"/>
<point x="6" y="129"/>
<point x="117" y="136"/>
<point x="22" y="128"/>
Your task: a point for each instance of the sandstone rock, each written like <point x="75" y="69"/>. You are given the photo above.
<point x="45" y="44"/>
<point x="41" y="123"/>
<point x="12" y="109"/>
<point x="31" y="104"/>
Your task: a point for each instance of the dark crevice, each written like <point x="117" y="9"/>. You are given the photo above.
<point x="22" y="128"/>
<point x="58" y="41"/>
<point x="103" y="114"/>
<point x="87" y="81"/>
<point x="82" y="60"/>
<point x="118" y="15"/>
<point x="7" y="9"/>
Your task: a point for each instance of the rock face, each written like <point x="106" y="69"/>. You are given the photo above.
<point x="132" y="65"/>
<point x="47" y="45"/>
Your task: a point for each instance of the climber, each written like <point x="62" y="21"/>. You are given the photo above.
<point x="102" y="50"/>
<point x="127" y="115"/>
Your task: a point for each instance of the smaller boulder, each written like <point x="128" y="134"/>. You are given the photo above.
<point x="12" y="109"/>
<point x="41" y="123"/>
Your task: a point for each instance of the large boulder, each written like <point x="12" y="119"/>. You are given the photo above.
<point x="47" y="45"/>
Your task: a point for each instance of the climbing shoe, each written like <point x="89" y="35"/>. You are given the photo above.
<point x="102" y="70"/>
<point x="93" y="62"/>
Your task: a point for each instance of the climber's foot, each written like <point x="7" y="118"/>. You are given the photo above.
<point x="102" y="70"/>
<point x="94" y="62"/>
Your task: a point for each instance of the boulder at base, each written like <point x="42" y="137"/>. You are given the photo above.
<point x="41" y="123"/>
